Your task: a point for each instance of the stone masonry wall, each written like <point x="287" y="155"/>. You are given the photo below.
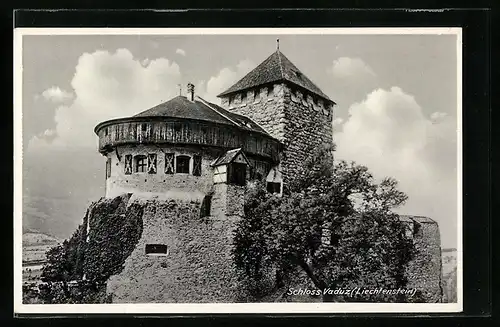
<point x="197" y="268"/>
<point x="424" y="271"/>
<point x="308" y="127"/>
<point x="295" y="118"/>
<point x="228" y="200"/>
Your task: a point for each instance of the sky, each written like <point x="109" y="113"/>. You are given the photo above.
<point x="396" y="107"/>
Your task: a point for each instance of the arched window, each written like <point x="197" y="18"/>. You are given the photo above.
<point x="182" y="164"/>
<point x="140" y="163"/>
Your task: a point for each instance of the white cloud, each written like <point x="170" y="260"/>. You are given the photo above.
<point x="49" y="133"/>
<point x="110" y="85"/>
<point x="224" y="79"/>
<point x="180" y="52"/>
<point x="437" y="116"/>
<point x="346" y="68"/>
<point x="55" y="94"/>
<point x="389" y="133"/>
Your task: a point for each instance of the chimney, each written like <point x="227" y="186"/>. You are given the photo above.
<point x="190" y="89"/>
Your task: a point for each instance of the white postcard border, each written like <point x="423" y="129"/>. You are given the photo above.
<point x="212" y="308"/>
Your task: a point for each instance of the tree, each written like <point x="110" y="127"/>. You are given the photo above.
<point x="77" y="270"/>
<point x="64" y="264"/>
<point x="335" y="223"/>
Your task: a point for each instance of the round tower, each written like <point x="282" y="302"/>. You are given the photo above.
<point x="169" y="148"/>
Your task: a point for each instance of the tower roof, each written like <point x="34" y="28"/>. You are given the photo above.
<point x="277" y="67"/>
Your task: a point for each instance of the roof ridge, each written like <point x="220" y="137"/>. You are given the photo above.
<point x="206" y="103"/>
<point x="279" y="61"/>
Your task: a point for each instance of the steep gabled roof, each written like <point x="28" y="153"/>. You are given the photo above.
<point x="277" y="67"/>
<point x="228" y="157"/>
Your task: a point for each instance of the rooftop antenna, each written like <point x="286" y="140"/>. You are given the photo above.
<point x="180" y="89"/>
<point x="278" y="44"/>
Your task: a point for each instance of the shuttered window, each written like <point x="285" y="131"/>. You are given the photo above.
<point x="169" y="163"/>
<point x="128" y="164"/>
<point x="197" y="165"/>
<point x="152" y="163"/>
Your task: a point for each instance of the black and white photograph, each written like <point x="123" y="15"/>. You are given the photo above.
<point x="237" y="170"/>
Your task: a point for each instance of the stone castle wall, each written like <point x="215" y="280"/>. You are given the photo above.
<point x="424" y="270"/>
<point x="197" y="268"/>
<point x="228" y="200"/>
<point x="297" y="119"/>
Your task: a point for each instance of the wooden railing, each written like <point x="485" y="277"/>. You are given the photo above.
<point x="187" y="133"/>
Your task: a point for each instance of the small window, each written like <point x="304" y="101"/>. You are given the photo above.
<point x="243" y="97"/>
<point x="140" y="164"/>
<point x="237" y="173"/>
<point x="156" y="249"/>
<point x="108" y="168"/>
<point x="144" y="127"/>
<point x="106" y="132"/>
<point x="273" y="187"/>
<point x="182" y="164"/>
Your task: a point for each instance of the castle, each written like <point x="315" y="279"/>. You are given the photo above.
<point x="192" y="158"/>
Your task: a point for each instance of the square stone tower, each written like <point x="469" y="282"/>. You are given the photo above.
<point x="288" y="105"/>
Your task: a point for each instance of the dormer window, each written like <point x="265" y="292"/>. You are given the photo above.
<point x="231" y="168"/>
<point x="182" y="164"/>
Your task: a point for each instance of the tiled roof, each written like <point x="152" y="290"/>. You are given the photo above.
<point x="227" y="157"/>
<point x="181" y="107"/>
<point x="277" y="67"/>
